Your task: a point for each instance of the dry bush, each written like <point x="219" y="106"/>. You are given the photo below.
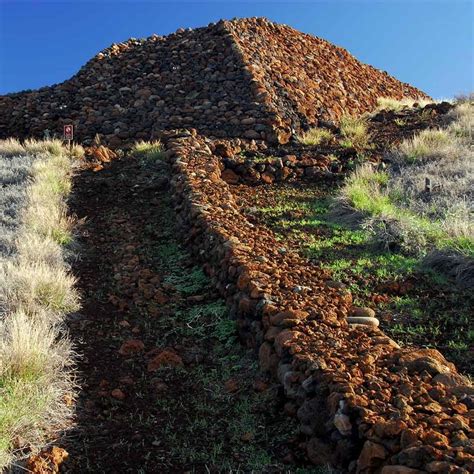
<point x="453" y="264"/>
<point x="316" y="136"/>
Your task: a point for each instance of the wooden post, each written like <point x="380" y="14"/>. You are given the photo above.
<point x="428" y="187"/>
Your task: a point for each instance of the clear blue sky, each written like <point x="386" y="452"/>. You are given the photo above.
<point x="426" y="43"/>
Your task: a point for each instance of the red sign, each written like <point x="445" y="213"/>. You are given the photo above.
<point x="68" y="132"/>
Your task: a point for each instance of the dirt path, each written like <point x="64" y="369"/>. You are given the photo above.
<point x="166" y="385"/>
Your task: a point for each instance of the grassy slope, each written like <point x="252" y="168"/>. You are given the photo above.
<point x="416" y="306"/>
<point x="374" y="234"/>
<point x="36" y="291"/>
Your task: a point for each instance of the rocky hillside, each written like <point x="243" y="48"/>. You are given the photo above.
<point x="244" y="78"/>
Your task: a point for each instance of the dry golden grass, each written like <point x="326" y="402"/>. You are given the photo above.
<point x="316" y="136"/>
<point x="354" y="131"/>
<point x="37" y="286"/>
<point x="428" y="144"/>
<point x="36" y="379"/>
<point x="11" y="147"/>
<point x="387" y="103"/>
<point x="36" y="291"/>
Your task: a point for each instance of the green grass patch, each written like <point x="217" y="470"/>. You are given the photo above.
<point x="148" y="152"/>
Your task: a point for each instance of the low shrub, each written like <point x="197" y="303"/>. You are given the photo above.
<point x="453" y="264"/>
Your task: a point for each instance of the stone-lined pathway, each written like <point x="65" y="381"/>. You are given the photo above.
<point x="166" y="387"/>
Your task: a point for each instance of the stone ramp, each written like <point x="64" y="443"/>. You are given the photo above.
<point x="244" y="78"/>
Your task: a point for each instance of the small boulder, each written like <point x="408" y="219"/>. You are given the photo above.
<point x="362" y="312"/>
<point x="132" y="346"/>
<point x="165" y="358"/>
<point x="229" y="176"/>
<point x="365" y="321"/>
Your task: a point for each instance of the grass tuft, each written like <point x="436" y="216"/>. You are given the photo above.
<point x="34" y="381"/>
<point x="354" y="132"/>
<point x="387" y="103"/>
<point x="11" y="147"/>
<point x="428" y="145"/>
<point x="316" y="136"/>
<point x="149" y="151"/>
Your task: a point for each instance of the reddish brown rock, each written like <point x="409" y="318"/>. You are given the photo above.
<point x="400" y="470"/>
<point x="372" y="456"/>
<point x="267" y="81"/>
<point x="47" y="461"/>
<point x="344" y="383"/>
<point x="362" y="312"/>
<point x="118" y="394"/>
<point x="132" y="346"/>
<point x="319" y="453"/>
<point x="268" y="358"/>
<point x="268" y="178"/>
<point x="231" y="386"/>
<point x="288" y="318"/>
<point x="165" y="358"/>
<point x="430" y="360"/>
<point x="230" y="177"/>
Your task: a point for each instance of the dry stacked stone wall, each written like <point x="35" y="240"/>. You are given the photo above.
<point x="245" y="78"/>
<point x="304" y="79"/>
<point x="364" y="404"/>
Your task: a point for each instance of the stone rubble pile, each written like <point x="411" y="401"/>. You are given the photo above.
<point x="245" y="78"/>
<point x="364" y="404"/>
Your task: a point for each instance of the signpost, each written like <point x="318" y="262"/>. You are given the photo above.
<point x="69" y="134"/>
